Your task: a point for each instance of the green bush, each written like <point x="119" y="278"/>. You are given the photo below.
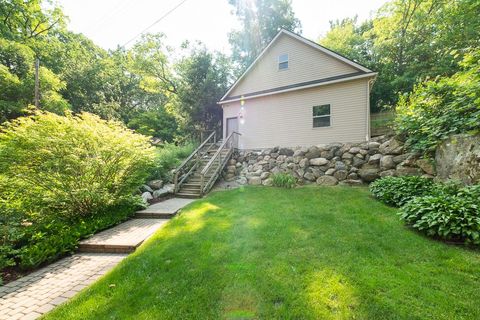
<point x="71" y="165"/>
<point x="63" y="178"/>
<point x="447" y="215"/>
<point x="49" y="240"/>
<point x="396" y="191"/>
<point x="169" y="156"/>
<point x="283" y="180"/>
<point x="441" y="107"/>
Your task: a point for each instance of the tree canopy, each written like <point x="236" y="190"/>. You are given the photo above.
<point x="408" y="41"/>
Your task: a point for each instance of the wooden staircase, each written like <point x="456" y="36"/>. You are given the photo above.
<point x="197" y="174"/>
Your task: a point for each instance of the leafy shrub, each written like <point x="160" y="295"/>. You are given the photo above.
<point x="48" y="241"/>
<point x="168" y="157"/>
<point x="450" y="216"/>
<point x="437" y="108"/>
<point x="397" y="191"/>
<point x="63" y="178"/>
<point x="72" y="165"/>
<point x="284" y="180"/>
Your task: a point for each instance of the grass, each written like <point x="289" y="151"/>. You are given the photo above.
<point x="270" y="253"/>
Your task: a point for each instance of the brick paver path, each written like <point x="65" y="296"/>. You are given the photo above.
<point x="42" y="290"/>
<point x="39" y="292"/>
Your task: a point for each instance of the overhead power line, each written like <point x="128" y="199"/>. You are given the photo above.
<point x="157" y="21"/>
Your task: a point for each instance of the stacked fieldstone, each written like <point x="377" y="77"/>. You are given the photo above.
<point x="345" y="163"/>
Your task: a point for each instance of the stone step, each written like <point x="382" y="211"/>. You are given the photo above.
<point x="124" y="238"/>
<point x="165" y="209"/>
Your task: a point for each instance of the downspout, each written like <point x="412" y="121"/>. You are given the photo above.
<point x="369" y="85"/>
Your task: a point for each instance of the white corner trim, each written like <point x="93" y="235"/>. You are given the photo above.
<point x="307" y="42"/>
<point x="367" y="75"/>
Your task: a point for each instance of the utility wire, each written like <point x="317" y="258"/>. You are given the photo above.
<point x="160" y="19"/>
<point x="108" y="15"/>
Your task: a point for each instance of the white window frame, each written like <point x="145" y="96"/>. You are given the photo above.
<point x="280" y="62"/>
<point x="322" y="116"/>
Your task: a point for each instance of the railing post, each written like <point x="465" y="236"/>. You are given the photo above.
<point x="202" y="182"/>
<point x="175" y="181"/>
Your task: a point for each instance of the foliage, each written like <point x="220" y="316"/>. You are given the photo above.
<point x="284" y="180"/>
<point x="396" y="191"/>
<point x="441" y="107"/>
<point x="168" y="157"/>
<point x="72" y="165"/>
<point x="17" y="82"/>
<point x="203" y="79"/>
<point x="272" y="253"/>
<point x="47" y="241"/>
<point x="447" y="215"/>
<point x="260" y="21"/>
<point x="407" y="41"/>
<point x="156" y="123"/>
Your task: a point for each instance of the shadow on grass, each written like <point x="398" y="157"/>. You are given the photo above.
<point x="307" y="253"/>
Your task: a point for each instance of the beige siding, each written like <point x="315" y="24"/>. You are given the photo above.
<point x="286" y="119"/>
<point x="305" y="64"/>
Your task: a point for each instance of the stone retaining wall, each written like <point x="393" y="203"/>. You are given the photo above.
<point x="344" y="163"/>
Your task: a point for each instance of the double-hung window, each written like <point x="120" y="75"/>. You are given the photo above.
<point x="283" y="62"/>
<point x="321" y="116"/>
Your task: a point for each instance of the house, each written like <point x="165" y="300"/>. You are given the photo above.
<point x="298" y="93"/>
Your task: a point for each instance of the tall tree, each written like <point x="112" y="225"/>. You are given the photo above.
<point x="203" y="78"/>
<point x="408" y="41"/>
<point x="261" y="20"/>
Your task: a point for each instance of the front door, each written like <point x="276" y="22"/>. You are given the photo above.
<point x="232" y="125"/>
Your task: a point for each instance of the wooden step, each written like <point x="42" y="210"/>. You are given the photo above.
<point x="187" y="195"/>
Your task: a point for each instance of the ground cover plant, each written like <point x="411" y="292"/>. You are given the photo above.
<point x="396" y="191"/>
<point x="442" y="210"/>
<point x="452" y="215"/>
<point x="62" y="178"/>
<point x="271" y="253"/>
<point x="283" y="180"/>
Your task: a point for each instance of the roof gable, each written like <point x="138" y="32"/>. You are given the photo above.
<point x="308" y="62"/>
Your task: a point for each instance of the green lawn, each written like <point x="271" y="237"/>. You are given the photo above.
<point x="268" y="253"/>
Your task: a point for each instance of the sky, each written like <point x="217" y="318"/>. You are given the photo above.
<point x="110" y="23"/>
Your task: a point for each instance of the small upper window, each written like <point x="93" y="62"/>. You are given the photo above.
<point x="283" y="62"/>
<point x="321" y="116"/>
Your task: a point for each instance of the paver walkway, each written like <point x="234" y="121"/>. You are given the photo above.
<point x="40" y="291"/>
<point x="37" y="293"/>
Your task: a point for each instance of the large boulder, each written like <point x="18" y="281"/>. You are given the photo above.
<point x="327" y="181"/>
<point x="254" y="180"/>
<point x="426" y="165"/>
<point x="165" y="190"/>
<point x="155" y="184"/>
<point x="340" y="175"/>
<point x="368" y="174"/>
<point x="374" y="159"/>
<point x="147" y="196"/>
<point x="458" y="158"/>
<point x="386" y="162"/>
<point x="318" y="161"/>
<point x="285" y="152"/>
<point x="392" y="146"/>
<point x="313" y="152"/>
<point x="408" y="171"/>
<point x="146" y="188"/>
<point x="309" y="176"/>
